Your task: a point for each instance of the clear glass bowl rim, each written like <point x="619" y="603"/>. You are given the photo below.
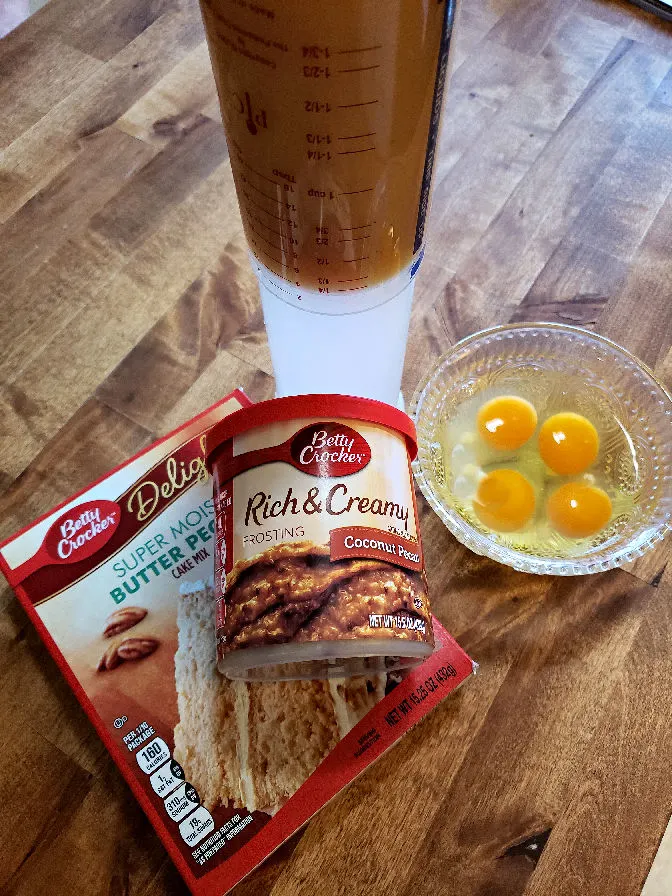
<point x="481" y="544"/>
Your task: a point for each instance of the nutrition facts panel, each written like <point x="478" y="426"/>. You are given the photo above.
<point x="181" y="801"/>
<point x="205" y="835"/>
<point x="331" y="112"/>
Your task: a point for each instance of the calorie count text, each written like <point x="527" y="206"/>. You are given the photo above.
<point x="152" y="756"/>
<point x="152" y="751"/>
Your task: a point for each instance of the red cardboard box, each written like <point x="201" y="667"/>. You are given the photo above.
<point x="118" y="582"/>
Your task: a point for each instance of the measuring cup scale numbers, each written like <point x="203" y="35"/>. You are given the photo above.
<point x="331" y="112"/>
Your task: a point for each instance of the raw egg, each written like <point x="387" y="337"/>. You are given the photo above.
<point x="568" y="443"/>
<point x="504" y="500"/>
<point x="507" y="422"/>
<point x="577" y="510"/>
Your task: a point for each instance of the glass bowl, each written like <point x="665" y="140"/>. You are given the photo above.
<point x="630" y="407"/>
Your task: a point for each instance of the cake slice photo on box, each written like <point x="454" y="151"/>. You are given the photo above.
<point x="253" y="744"/>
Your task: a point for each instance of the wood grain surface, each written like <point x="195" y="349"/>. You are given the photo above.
<point x="127" y="305"/>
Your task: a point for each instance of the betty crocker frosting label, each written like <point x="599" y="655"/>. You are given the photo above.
<point x="330" y="448"/>
<point x="317" y="536"/>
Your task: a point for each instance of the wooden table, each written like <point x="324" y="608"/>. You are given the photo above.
<point x="128" y="304"/>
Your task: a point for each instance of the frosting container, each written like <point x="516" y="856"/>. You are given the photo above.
<point x="318" y="562"/>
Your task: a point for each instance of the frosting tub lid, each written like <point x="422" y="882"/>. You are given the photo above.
<point x="298" y="407"/>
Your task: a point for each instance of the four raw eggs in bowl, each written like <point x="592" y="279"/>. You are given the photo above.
<point x="561" y="374"/>
<point x="519" y="473"/>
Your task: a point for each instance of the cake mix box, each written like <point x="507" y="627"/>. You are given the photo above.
<point x="118" y="581"/>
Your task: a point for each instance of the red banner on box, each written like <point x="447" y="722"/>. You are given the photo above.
<point x="46" y="573"/>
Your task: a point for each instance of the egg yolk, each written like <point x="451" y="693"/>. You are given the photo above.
<point x="568" y="443"/>
<point x="507" y="422"/>
<point x="577" y="510"/>
<point x="504" y="500"/>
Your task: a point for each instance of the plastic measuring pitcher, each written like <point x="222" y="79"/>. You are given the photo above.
<point x="331" y="111"/>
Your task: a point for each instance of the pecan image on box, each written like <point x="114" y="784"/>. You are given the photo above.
<point x="109" y="660"/>
<point x="294" y="592"/>
<point x="128" y="650"/>
<point x="121" y="620"/>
